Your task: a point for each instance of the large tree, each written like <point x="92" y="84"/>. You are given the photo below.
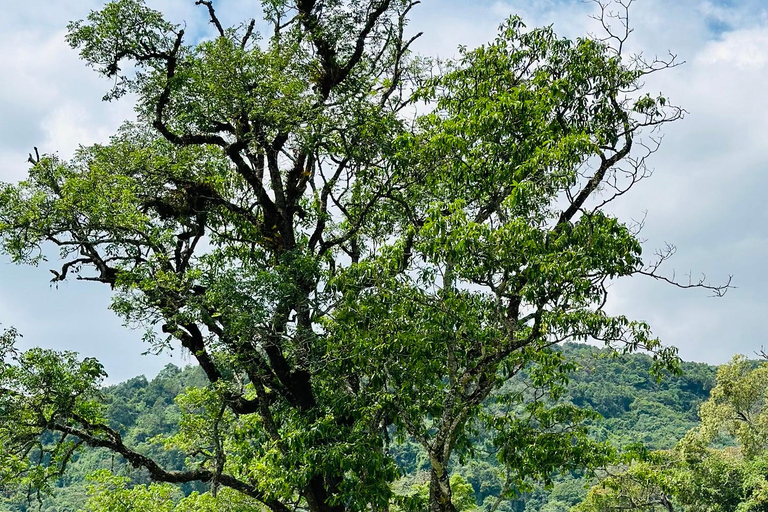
<point x="347" y="272"/>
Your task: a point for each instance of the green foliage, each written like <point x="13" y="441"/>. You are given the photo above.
<point x="737" y="406"/>
<point x="108" y="492"/>
<point x="40" y="388"/>
<point x="144" y="410"/>
<point x="601" y="378"/>
<point x="698" y="475"/>
<point x="343" y="275"/>
<point x="416" y="497"/>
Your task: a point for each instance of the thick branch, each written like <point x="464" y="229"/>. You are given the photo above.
<point x="113" y="441"/>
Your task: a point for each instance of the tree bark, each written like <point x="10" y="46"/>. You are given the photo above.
<point x="440" y="489"/>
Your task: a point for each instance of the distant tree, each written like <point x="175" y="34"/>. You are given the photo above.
<point x="343" y="270"/>
<point x="698" y="475"/>
<point x="738" y="407"/>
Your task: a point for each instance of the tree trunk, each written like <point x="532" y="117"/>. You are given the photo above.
<point x="440" y="489"/>
<point x="317" y="497"/>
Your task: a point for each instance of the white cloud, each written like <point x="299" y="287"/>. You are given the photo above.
<point x="742" y="49"/>
<point x="707" y="196"/>
<point x="50" y="99"/>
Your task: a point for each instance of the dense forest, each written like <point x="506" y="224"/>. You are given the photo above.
<point x="633" y="406"/>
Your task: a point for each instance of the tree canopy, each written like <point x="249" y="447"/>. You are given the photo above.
<point x="345" y="270"/>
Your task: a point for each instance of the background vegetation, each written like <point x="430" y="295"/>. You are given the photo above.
<point x="635" y="407"/>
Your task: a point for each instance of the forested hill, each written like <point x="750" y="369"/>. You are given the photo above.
<point x="635" y="407"/>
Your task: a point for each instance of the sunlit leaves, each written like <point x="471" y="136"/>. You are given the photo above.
<point x="125" y="28"/>
<point x="40" y="388"/>
<point x="699" y="474"/>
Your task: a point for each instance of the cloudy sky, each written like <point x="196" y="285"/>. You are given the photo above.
<point x="707" y="195"/>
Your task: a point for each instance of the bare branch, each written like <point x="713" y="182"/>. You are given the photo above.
<point x="665" y="254"/>
<point x="102" y="436"/>
<point x="34" y="160"/>
<point x="248" y="34"/>
<point x="214" y="19"/>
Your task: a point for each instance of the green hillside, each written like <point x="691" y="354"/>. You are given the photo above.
<point x="634" y="407"/>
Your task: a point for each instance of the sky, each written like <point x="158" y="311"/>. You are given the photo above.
<point x="707" y="195"/>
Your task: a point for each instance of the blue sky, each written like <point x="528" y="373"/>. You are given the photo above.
<point x="707" y="195"/>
